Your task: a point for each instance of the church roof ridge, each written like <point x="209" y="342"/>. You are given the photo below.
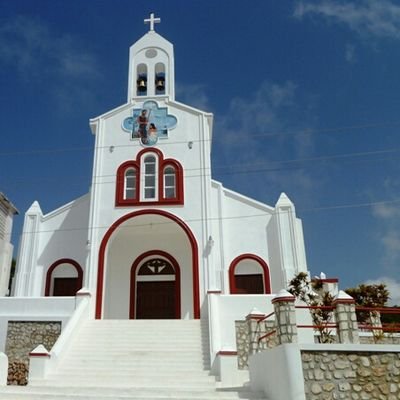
<point x="65" y="207"/>
<point x="245" y="199"/>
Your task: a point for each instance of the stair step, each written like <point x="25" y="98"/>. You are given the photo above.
<point x="142" y="376"/>
<point x="133" y="359"/>
<point x="61" y="393"/>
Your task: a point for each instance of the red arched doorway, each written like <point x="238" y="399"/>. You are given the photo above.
<point x="193" y="249"/>
<point x="66" y="283"/>
<point x="155" y="287"/>
<point x="249" y="274"/>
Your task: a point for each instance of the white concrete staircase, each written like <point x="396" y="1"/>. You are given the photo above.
<point x="133" y="359"/>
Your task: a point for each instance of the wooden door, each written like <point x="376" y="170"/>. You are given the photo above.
<point x="65" y="286"/>
<point x="249" y="284"/>
<point x="156" y="300"/>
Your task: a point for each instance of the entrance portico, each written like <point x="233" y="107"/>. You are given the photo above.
<point x="126" y="253"/>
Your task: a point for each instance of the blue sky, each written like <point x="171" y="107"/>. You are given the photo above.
<point x="305" y="94"/>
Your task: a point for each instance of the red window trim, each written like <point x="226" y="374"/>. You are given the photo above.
<point x="260" y="261"/>
<point x="53" y="266"/>
<point x="138" y="263"/>
<point x="120" y="200"/>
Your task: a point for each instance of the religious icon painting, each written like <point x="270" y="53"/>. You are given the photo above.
<point x="149" y="123"/>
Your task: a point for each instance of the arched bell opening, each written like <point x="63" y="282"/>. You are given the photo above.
<point x="159" y="78"/>
<point x="141" y="80"/>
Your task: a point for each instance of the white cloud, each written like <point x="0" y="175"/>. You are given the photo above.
<point x="392" y="285"/>
<point x="391" y="241"/>
<point x="34" y="50"/>
<point x="193" y="95"/>
<point x="350" y="53"/>
<point x="387" y="231"/>
<point x="386" y="211"/>
<point x="380" y="18"/>
<point x="258" y="114"/>
<point x="252" y="137"/>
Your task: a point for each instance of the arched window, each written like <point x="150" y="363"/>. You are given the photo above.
<point x="249" y="274"/>
<point x="150" y="178"/>
<point x="169" y="182"/>
<point x="130" y="184"/>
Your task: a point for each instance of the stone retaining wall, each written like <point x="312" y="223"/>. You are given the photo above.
<point x="247" y="334"/>
<point x="22" y="338"/>
<point x="386" y="339"/>
<point x="351" y="376"/>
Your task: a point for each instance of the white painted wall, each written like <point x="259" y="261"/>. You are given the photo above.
<point x="278" y="372"/>
<point x="47" y="238"/>
<point x="33" y="309"/>
<point x="224" y="310"/>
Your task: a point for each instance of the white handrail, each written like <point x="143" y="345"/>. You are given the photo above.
<point x="69" y="333"/>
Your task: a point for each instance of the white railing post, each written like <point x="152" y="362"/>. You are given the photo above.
<point x="38" y="361"/>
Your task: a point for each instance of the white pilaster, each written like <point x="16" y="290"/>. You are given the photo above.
<point x="27" y="258"/>
<point x="287" y="234"/>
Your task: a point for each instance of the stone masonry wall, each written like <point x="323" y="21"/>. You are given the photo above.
<point x="387" y="339"/>
<point x="246" y="338"/>
<point x="22" y="338"/>
<point x="351" y="376"/>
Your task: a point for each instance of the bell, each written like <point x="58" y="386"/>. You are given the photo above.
<point x="142" y="85"/>
<point x="160" y="84"/>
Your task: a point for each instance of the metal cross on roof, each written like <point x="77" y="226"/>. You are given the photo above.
<point x="152" y="21"/>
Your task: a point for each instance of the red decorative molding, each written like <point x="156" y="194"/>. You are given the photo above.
<point x="287" y="299"/>
<point x="329" y="280"/>
<point x="256" y="317"/>
<point x="115" y="225"/>
<point x="343" y="301"/>
<point x="227" y="353"/>
<point x="39" y="355"/>
<point x="55" y="265"/>
<point x="134" y="268"/>
<point x="120" y="200"/>
<point x="260" y="261"/>
<point x="120" y="188"/>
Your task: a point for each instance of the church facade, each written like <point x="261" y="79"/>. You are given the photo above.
<point x="156" y="233"/>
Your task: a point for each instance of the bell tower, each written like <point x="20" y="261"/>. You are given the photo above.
<point x="151" y="66"/>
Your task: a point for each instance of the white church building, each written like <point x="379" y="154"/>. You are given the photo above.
<point x="156" y="232"/>
<point x="156" y="238"/>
